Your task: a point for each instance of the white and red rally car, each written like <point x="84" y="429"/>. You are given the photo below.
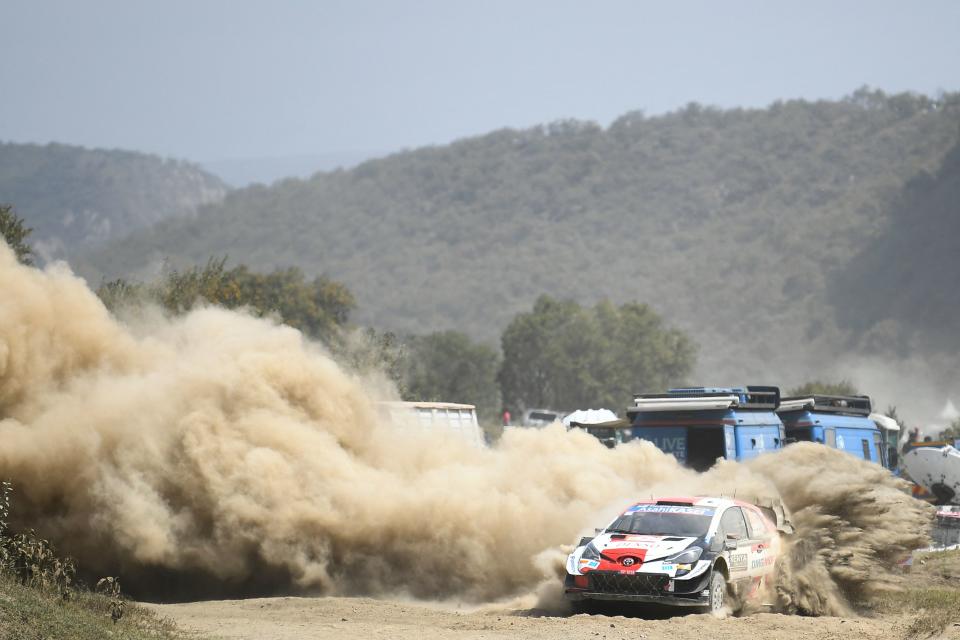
<point x="704" y="552"/>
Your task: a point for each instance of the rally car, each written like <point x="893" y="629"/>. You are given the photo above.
<point x="712" y="553"/>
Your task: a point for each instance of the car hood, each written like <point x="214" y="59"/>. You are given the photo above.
<point x="617" y="550"/>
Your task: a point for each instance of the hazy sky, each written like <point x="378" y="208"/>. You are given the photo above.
<point x="210" y="80"/>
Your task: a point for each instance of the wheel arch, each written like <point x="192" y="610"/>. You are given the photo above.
<point x="721" y="565"/>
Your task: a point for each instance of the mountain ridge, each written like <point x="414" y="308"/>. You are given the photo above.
<point x="74" y="197"/>
<point x="731" y="223"/>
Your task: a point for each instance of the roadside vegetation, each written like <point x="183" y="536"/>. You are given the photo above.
<point x="41" y="596"/>
<point x="930" y="597"/>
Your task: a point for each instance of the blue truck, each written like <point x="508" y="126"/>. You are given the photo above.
<point x="700" y="424"/>
<point x="839" y="422"/>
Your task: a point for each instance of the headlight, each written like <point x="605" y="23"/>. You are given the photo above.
<point x="689" y="556"/>
<point x="590" y="553"/>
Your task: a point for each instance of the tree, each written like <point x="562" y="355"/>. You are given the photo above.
<point x="825" y="388"/>
<point x="564" y="356"/>
<point x="448" y="366"/>
<point x="319" y="308"/>
<point x="15" y="233"/>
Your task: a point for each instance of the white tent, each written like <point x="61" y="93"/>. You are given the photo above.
<point x="885" y="422"/>
<point x="589" y="416"/>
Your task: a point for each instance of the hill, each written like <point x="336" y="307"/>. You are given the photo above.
<point x="75" y="197"/>
<point x="906" y="280"/>
<point x="731" y="223"/>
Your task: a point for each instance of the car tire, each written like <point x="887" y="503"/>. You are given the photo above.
<point x="719" y="593"/>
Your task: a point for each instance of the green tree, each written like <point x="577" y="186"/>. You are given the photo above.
<point x="179" y="291"/>
<point x="825" y="388"/>
<point x="319" y="308"/>
<point x="565" y="356"/>
<point x="448" y="366"/>
<point x="15" y="233"/>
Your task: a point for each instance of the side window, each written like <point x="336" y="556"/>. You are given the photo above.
<point x="732" y="522"/>
<point x="831" y="438"/>
<point x="758" y="528"/>
<point x="866" y="449"/>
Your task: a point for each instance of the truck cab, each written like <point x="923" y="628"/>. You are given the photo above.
<point x="698" y="425"/>
<point x="839" y="422"/>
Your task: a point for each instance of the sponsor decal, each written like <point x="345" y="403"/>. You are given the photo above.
<point x="589" y="564"/>
<point x="662" y="508"/>
<point x="761" y="562"/>
<point x="668" y="567"/>
<point x="631" y="544"/>
<point x="738" y="562"/>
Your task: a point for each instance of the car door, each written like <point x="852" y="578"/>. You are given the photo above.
<point x="764" y="546"/>
<point x="734" y="533"/>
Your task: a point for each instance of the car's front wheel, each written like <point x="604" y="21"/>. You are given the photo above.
<point x="718" y="592"/>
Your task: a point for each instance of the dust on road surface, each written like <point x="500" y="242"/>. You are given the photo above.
<point x="364" y="618"/>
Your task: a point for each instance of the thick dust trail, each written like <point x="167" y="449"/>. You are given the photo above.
<point x="218" y="453"/>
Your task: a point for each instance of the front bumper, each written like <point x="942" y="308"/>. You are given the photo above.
<point x="640" y="587"/>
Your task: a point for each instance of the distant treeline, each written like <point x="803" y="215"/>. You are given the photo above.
<point x="559" y="355"/>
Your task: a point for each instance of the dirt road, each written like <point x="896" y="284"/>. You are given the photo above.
<point x="932" y="584"/>
<point x="362" y="618"/>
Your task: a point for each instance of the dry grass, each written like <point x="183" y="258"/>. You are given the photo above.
<point x="31" y="613"/>
<point x="935" y="610"/>
<point x="930" y="596"/>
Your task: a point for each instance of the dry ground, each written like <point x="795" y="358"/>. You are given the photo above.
<point x="930" y="600"/>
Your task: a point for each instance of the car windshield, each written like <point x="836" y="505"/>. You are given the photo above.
<point x="663" y="521"/>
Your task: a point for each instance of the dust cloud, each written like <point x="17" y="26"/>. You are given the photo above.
<point x="217" y="453"/>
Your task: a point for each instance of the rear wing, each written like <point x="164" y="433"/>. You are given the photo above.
<point x="846" y="405"/>
<point x="775" y="511"/>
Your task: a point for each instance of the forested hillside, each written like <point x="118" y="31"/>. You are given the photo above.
<point x="74" y="197"/>
<point x="907" y="281"/>
<point x="730" y="223"/>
